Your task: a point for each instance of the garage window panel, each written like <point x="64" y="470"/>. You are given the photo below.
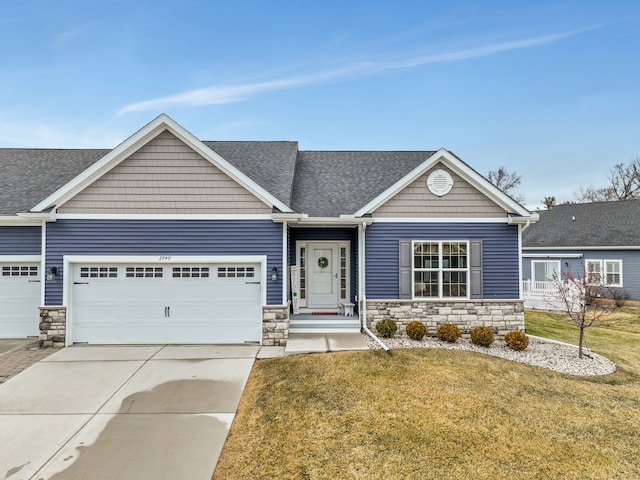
<point x="190" y="272"/>
<point x="98" y="272"/>
<point x="19" y="271"/>
<point x="144" y="272"/>
<point x="236" y="272"/>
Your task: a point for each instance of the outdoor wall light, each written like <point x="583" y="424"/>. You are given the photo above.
<point x="52" y="273"/>
<point x="274" y="273"/>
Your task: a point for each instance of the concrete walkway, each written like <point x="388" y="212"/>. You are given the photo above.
<point x="324" y="342"/>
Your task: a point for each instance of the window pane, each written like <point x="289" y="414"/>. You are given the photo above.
<point x="426" y="284"/>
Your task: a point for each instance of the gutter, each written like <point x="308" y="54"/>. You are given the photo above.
<point x="363" y="297"/>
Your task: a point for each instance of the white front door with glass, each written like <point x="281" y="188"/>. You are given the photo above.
<point x="324" y="274"/>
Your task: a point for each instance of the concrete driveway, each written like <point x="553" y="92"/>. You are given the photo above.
<point x="122" y="412"/>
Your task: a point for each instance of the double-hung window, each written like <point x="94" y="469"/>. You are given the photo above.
<point x="613" y="272"/>
<point x="441" y="269"/>
<point x="607" y="272"/>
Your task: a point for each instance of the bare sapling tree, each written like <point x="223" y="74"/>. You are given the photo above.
<point x="507" y="182"/>
<point x="583" y="298"/>
<point x="624" y="184"/>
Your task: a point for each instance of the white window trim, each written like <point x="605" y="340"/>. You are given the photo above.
<point x="587" y="270"/>
<point x="440" y="270"/>
<point x="533" y="268"/>
<point x="604" y="273"/>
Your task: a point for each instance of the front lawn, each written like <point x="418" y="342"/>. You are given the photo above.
<point x="439" y="414"/>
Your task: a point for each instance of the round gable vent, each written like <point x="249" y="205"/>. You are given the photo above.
<point x="439" y="182"/>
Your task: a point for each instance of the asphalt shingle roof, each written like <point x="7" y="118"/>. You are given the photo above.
<point x="318" y="183"/>
<point x="330" y="183"/>
<point x="586" y="225"/>
<point x="28" y="176"/>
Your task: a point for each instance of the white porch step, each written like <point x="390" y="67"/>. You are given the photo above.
<point x="324" y="324"/>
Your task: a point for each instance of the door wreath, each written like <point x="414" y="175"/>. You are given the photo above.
<point x="323" y="262"/>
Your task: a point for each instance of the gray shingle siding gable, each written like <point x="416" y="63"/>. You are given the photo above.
<point x="500" y="256"/>
<point x="163" y="237"/>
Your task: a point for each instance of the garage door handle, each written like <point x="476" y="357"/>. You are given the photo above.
<point x="167" y="311"/>
<point x="34" y="281"/>
<point x="252" y="283"/>
<point x="81" y="283"/>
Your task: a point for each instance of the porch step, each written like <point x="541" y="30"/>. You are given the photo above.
<point x="323" y="324"/>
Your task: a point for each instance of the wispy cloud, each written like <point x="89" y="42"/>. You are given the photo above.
<point x="223" y="94"/>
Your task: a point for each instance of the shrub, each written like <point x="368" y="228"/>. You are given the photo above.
<point x="516" y="340"/>
<point x="386" y="328"/>
<point x="416" y="330"/>
<point x="620" y="296"/>
<point x="482" y="336"/>
<point x="448" y="332"/>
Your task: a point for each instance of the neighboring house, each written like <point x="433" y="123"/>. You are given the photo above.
<point x="169" y="239"/>
<point x="602" y="239"/>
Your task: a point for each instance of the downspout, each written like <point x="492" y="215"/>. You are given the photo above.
<point x="363" y="295"/>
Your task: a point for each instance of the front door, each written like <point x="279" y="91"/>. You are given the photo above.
<point x="323" y="275"/>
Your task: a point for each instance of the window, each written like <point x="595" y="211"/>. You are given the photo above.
<point x="613" y="272"/>
<point x="303" y="273"/>
<point x="98" y="272"/>
<point x="190" y="272"/>
<point x="593" y="271"/>
<point x="236" y="272"/>
<point x="544" y="270"/>
<point x="440" y="269"/>
<point x="607" y="271"/>
<point x="144" y="272"/>
<point x="19" y="271"/>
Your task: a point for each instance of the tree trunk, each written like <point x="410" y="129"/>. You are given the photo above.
<point x="580" y="341"/>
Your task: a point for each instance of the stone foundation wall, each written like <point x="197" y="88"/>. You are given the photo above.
<point x="501" y="315"/>
<point x="53" y="326"/>
<point x="275" y="325"/>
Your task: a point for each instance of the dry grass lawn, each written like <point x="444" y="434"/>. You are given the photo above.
<point x="420" y="414"/>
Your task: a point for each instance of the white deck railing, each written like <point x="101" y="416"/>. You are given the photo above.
<point x="531" y="288"/>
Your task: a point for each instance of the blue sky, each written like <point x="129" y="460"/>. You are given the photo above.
<point x="549" y="89"/>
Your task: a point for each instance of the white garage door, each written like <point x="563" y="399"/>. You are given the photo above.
<point x="195" y="303"/>
<point x="19" y="299"/>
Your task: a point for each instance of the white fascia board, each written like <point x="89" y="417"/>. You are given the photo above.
<point x="333" y="221"/>
<point x="161" y="216"/>
<point x="453" y="162"/>
<point x="440" y="220"/>
<point x="20" y="258"/>
<point x="15" y="221"/>
<point x="552" y="255"/>
<point x="133" y="143"/>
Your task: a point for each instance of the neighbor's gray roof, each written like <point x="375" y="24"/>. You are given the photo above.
<point x="28" y="176"/>
<point x="586" y="225"/>
<point x="329" y="183"/>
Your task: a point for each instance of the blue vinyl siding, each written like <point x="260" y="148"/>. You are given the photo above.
<point x="329" y="234"/>
<point x="164" y="237"/>
<point x="500" y="258"/>
<point x="630" y="265"/>
<point x="20" y="241"/>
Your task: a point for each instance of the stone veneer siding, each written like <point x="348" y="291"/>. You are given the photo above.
<point x="275" y="325"/>
<point x="53" y="326"/>
<point x="500" y="315"/>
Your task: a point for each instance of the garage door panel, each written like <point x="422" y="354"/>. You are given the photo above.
<point x="19" y="300"/>
<point x="167" y="304"/>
